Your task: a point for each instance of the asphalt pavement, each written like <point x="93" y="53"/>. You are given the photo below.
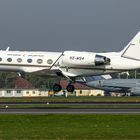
<point x="45" y="110"/>
<point x="67" y="111"/>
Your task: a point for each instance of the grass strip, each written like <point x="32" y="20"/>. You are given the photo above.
<point x="70" y="99"/>
<point x="72" y="127"/>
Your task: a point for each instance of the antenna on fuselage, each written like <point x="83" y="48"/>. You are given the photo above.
<point x="8" y="48"/>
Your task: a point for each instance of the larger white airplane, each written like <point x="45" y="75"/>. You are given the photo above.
<point x="72" y="64"/>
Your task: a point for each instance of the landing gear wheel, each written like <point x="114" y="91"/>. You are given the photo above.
<point x="70" y="88"/>
<point x="57" y="88"/>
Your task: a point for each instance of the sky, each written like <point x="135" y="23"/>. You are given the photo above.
<point x="59" y="25"/>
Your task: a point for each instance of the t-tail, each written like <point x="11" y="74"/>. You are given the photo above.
<point x="132" y="50"/>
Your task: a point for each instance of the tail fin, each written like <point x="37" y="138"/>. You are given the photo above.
<point x="132" y="50"/>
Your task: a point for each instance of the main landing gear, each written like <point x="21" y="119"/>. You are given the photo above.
<point x="57" y="88"/>
<point x="70" y="88"/>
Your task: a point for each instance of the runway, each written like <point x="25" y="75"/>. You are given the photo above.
<point x="70" y="103"/>
<point x="11" y="109"/>
<point x="68" y="111"/>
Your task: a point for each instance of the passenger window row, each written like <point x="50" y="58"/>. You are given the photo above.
<point x="19" y="60"/>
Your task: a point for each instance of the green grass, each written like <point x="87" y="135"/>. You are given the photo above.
<point x="69" y="127"/>
<point x="71" y="99"/>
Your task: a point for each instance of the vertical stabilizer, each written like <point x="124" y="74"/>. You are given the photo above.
<point x="132" y="50"/>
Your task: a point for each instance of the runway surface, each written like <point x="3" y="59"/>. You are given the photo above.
<point x="70" y="103"/>
<point x="46" y="110"/>
<point x="69" y="111"/>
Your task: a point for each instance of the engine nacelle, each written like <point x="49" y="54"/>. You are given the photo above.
<point x="82" y="59"/>
<point x="101" y="60"/>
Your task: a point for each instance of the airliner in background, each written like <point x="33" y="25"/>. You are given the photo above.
<point x="72" y="64"/>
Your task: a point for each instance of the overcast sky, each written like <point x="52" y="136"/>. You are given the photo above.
<point x="58" y="25"/>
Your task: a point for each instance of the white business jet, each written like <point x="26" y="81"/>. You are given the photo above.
<point x="72" y="64"/>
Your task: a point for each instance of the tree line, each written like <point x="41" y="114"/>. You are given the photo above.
<point x="8" y="79"/>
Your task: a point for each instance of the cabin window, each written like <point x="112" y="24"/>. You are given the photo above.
<point x="18" y="91"/>
<point x="0" y="59"/>
<point x="9" y="59"/>
<point x="80" y="91"/>
<point x="49" y="61"/>
<point x="19" y="60"/>
<point x="29" y="60"/>
<point x="8" y="91"/>
<point x="39" y="61"/>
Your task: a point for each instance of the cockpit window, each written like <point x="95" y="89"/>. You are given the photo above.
<point x="93" y="78"/>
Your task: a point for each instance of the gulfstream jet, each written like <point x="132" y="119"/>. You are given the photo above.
<point x="72" y="64"/>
